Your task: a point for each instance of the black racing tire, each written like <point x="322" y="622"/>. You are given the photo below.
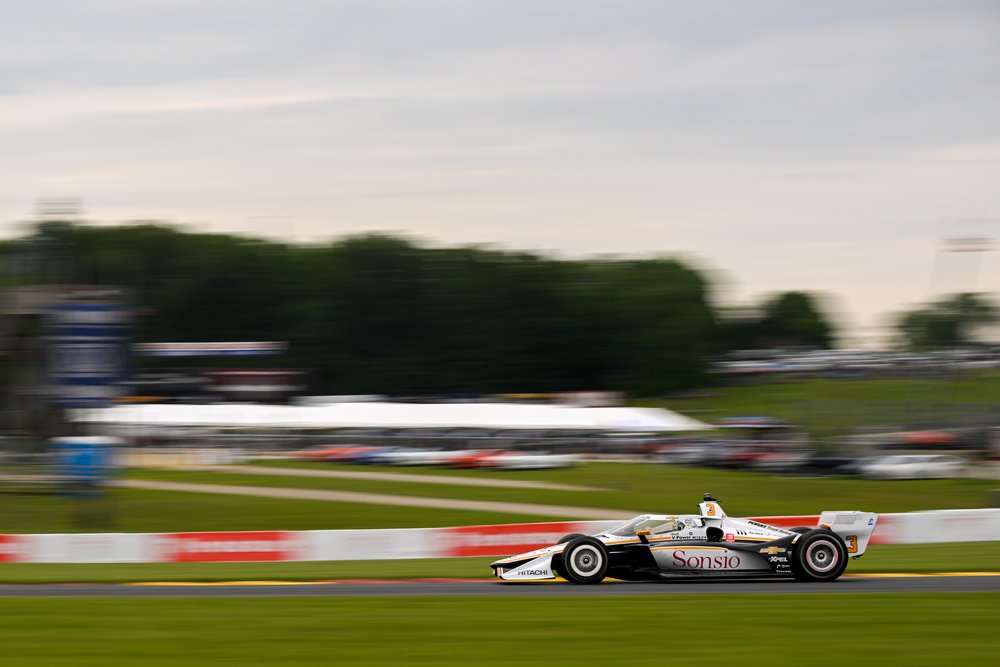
<point x="584" y="561"/>
<point x="557" y="558"/>
<point x="800" y="530"/>
<point x="819" y="555"/>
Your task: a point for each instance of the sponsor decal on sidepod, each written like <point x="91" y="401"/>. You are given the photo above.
<point x="726" y="561"/>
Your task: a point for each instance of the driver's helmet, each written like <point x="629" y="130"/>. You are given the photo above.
<point x="670" y="525"/>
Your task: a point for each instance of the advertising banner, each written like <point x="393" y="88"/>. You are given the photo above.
<point x="499" y="540"/>
<point x="13" y="549"/>
<point x="87" y="352"/>
<point x="248" y="546"/>
<point x="509" y="538"/>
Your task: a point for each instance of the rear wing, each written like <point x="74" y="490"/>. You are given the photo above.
<point x="855" y="528"/>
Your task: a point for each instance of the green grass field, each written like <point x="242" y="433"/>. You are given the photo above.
<point x="829" y="407"/>
<point x="874" y="629"/>
<point x="138" y="511"/>
<point x="629" y="487"/>
<point x="643" y="487"/>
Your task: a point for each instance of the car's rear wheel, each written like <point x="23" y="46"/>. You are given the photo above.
<point x="584" y="561"/>
<point x="819" y="555"/>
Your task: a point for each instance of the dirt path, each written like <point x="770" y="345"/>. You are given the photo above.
<point x="555" y="511"/>
<point x="395" y="477"/>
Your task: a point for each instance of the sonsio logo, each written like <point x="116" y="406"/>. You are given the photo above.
<point x="725" y="561"/>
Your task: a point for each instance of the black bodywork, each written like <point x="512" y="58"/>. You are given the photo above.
<point x="635" y="562"/>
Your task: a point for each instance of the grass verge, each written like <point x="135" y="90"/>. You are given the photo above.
<point x="630" y="487"/>
<point x="884" y="629"/>
<point x="646" y="487"/>
<point x="138" y="511"/>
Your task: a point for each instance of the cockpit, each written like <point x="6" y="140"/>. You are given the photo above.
<point x="655" y="526"/>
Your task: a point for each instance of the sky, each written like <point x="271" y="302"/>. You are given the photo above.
<point x="819" y="146"/>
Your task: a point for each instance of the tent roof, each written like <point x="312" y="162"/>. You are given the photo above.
<point x="397" y="415"/>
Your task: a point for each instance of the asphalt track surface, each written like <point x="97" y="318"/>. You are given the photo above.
<point x="481" y="588"/>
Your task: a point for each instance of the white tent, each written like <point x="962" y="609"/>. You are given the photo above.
<point x="495" y="416"/>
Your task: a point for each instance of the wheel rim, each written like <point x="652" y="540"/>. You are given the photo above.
<point x="586" y="560"/>
<point x="822" y="556"/>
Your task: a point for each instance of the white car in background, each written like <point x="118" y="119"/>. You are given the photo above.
<point x="529" y="461"/>
<point x="915" y="466"/>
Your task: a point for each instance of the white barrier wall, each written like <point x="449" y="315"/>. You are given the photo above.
<point x="501" y="540"/>
<point x="939" y="526"/>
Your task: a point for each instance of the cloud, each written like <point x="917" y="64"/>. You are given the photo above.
<point x="796" y="143"/>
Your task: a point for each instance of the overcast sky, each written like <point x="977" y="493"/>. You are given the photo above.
<point x="825" y="146"/>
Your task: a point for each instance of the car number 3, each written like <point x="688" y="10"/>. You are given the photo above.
<point x="852" y="544"/>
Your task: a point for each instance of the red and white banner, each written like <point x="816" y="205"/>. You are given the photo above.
<point x="981" y="525"/>
<point x="251" y="546"/>
<point x="509" y="538"/>
<point x="11" y="548"/>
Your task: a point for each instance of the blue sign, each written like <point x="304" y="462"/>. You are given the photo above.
<point x="87" y="353"/>
<point x="82" y="460"/>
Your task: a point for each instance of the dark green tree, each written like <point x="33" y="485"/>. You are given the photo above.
<point x="383" y="314"/>
<point x="788" y="319"/>
<point x="795" y="319"/>
<point x="952" y="321"/>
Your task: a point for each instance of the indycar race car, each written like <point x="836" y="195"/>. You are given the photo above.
<point x="709" y="544"/>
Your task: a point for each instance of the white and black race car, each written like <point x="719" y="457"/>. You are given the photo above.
<point x="709" y="544"/>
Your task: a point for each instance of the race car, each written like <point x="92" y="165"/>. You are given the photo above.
<point x="709" y="544"/>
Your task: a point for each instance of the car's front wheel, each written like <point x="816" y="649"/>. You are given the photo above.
<point x="819" y="555"/>
<point x="584" y="561"/>
<point x="557" y="558"/>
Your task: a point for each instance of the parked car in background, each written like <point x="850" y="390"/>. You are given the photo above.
<point x="334" y="453"/>
<point x="782" y="459"/>
<point x="471" y="458"/>
<point x="511" y="460"/>
<point x="914" y="466"/>
<point x="825" y="464"/>
<point x="688" y="451"/>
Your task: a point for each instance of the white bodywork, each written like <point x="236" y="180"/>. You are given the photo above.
<point x="674" y="552"/>
<point x="526" y="461"/>
<point x="915" y="466"/>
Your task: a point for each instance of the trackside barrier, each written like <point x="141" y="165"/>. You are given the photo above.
<point x="500" y="540"/>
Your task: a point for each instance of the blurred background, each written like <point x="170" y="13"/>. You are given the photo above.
<point x="152" y="346"/>
<point x="501" y="236"/>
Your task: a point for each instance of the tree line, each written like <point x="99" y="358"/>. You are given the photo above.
<point x="954" y="320"/>
<point x="384" y="314"/>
